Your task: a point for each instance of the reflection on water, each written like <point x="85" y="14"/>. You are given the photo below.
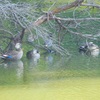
<point x="49" y="59"/>
<point x="33" y="62"/>
<point x="11" y="71"/>
<point x="20" y="69"/>
<point x="49" y="66"/>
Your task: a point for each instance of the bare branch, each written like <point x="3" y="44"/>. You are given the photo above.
<point x="78" y="19"/>
<point x="50" y="14"/>
<point x="67" y="6"/>
<point x="88" y="36"/>
<point x="91" y="5"/>
<point x="6" y="31"/>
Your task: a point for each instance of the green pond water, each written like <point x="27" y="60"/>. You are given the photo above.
<point x="51" y="77"/>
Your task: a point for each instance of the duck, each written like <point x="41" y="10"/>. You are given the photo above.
<point x="33" y="57"/>
<point x="93" y="49"/>
<point x="13" y="54"/>
<point x="33" y="54"/>
<point x="90" y="49"/>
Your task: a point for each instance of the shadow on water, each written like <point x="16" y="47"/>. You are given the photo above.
<point x="48" y="67"/>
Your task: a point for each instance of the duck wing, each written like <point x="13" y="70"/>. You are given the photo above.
<point x="9" y="55"/>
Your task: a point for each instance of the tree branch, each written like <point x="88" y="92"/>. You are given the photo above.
<point x="50" y="14"/>
<point x="92" y="5"/>
<point x="88" y="36"/>
<point x="73" y="19"/>
<point x="67" y="6"/>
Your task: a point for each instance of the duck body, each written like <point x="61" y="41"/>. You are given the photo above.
<point x="29" y="54"/>
<point x="33" y="54"/>
<point x="94" y="49"/>
<point x="95" y="52"/>
<point x="13" y="54"/>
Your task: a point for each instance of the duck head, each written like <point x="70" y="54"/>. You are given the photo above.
<point x="35" y="51"/>
<point x="18" y="46"/>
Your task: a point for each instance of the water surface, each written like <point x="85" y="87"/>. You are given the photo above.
<point x="51" y="77"/>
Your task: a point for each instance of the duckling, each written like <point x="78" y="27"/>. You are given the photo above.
<point x="14" y="54"/>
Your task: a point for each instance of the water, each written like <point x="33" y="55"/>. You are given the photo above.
<point x="51" y="78"/>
